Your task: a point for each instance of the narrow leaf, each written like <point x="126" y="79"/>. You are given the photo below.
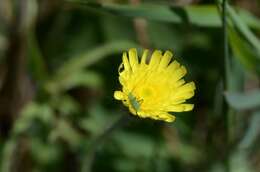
<point x="200" y="15"/>
<point x="243" y="51"/>
<point x="252" y="131"/>
<point x="88" y="58"/>
<point x="242" y="101"/>
<point x="244" y="29"/>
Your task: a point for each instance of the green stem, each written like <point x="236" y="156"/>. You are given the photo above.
<point x="227" y="68"/>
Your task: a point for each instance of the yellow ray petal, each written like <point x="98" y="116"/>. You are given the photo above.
<point x="123" y="79"/>
<point x="155" y="59"/>
<point x="179" y="73"/>
<point x="186" y="88"/>
<point x="179" y="83"/>
<point x="173" y="66"/>
<point x="177" y="101"/>
<point x="185" y="95"/>
<point x="133" y="58"/>
<point x="157" y="115"/>
<point x="188" y="107"/>
<point x="126" y="62"/>
<point x="179" y="108"/>
<point x="144" y="57"/>
<point x="163" y="116"/>
<point x="167" y="56"/>
<point x="118" y="95"/>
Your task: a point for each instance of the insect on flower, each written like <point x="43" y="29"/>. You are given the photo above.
<point x="152" y="90"/>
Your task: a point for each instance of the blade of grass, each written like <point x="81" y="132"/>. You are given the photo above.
<point x="252" y="131"/>
<point x="243" y="52"/>
<point x="243" y="101"/>
<point x="70" y="73"/>
<point x="244" y="29"/>
<point x="36" y="61"/>
<point x="228" y="114"/>
<point x="88" y="58"/>
<point x="198" y="15"/>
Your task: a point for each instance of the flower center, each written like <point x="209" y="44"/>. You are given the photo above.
<point x="148" y="92"/>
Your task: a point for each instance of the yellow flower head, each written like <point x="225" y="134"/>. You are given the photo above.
<point x="154" y="89"/>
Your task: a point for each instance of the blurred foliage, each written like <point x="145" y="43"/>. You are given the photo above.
<point x="72" y="52"/>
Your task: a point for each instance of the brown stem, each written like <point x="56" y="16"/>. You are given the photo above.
<point x="140" y="26"/>
<point x="13" y="94"/>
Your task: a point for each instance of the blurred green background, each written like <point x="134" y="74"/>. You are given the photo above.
<point x="59" y="67"/>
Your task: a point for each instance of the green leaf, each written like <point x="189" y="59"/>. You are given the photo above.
<point x="44" y="153"/>
<point x="252" y="132"/>
<point x="200" y="15"/>
<point x="72" y="73"/>
<point x="36" y="62"/>
<point x="77" y="79"/>
<point x="7" y="159"/>
<point x="140" y="146"/>
<point x="88" y="58"/>
<point x="98" y="120"/>
<point x="240" y="162"/>
<point x="249" y="19"/>
<point x="244" y="29"/>
<point x="206" y="15"/>
<point x="242" y="101"/>
<point x="242" y="51"/>
<point x="65" y="105"/>
<point x="203" y="15"/>
<point x="65" y="131"/>
<point x="42" y="112"/>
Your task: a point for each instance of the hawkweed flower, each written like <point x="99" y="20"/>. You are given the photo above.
<point x="152" y="90"/>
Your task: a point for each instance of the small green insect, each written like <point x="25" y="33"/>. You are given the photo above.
<point x="134" y="102"/>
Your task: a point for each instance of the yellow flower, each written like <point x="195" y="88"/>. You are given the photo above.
<point x="154" y="89"/>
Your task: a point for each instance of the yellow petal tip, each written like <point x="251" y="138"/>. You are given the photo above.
<point x="170" y="118"/>
<point x="168" y="53"/>
<point x="118" y="95"/>
<point x="188" y="107"/>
